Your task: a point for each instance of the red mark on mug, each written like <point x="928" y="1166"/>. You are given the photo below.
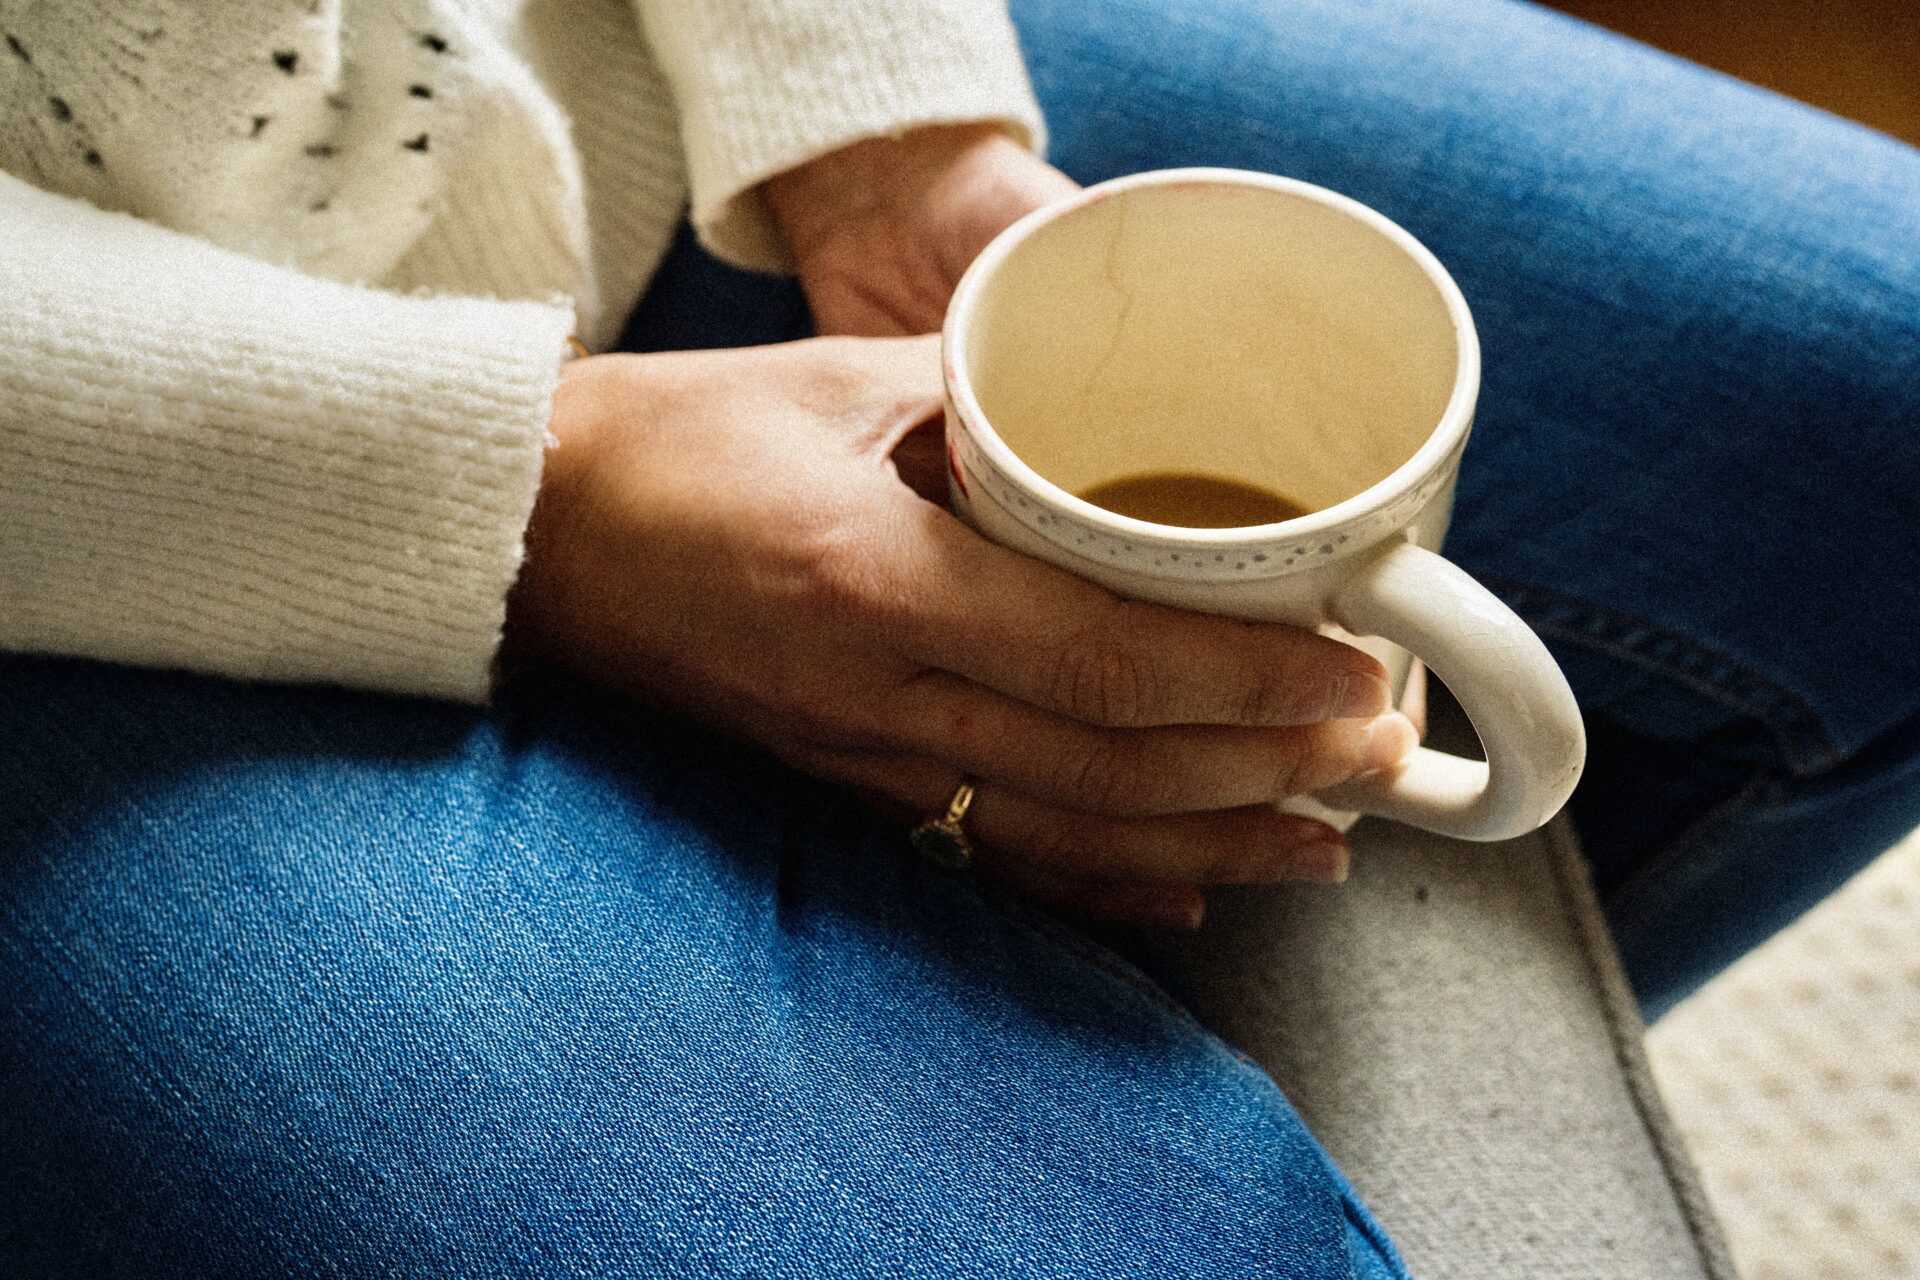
<point x="953" y="465"/>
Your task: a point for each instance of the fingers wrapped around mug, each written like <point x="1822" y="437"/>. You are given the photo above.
<point x="1136" y="868"/>
<point x="1130" y="773"/>
<point x="1046" y="637"/>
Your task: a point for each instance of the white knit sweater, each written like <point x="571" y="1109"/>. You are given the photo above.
<point x="285" y="421"/>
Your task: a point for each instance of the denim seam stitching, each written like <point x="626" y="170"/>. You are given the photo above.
<point x="1783" y="731"/>
<point x="1371" y="1230"/>
<point x="1781" y="724"/>
<point x="1793" y="723"/>
<point x="1784" y="712"/>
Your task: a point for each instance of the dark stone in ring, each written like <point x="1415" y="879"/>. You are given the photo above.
<point x="942" y="843"/>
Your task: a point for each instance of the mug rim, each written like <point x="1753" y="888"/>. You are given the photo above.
<point x="1441" y="442"/>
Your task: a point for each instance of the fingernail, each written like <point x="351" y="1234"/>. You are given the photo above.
<point x="1360" y="693"/>
<point x="1389" y="738"/>
<point x="1326" y="863"/>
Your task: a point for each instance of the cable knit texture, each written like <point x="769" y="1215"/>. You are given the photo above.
<point x="285" y="421"/>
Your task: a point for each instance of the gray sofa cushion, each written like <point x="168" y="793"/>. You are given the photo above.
<point x="1454" y="1025"/>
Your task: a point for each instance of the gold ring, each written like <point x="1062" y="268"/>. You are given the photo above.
<point x="942" y="840"/>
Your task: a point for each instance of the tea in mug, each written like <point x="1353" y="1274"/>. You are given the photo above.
<point x="1192" y="500"/>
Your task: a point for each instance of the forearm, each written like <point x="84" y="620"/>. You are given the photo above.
<point x="214" y="463"/>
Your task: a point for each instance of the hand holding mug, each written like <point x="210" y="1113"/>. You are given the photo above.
<point x="726" y="533"/>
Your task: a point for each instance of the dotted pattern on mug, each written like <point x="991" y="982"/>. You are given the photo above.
<point x="1169" y="558"/>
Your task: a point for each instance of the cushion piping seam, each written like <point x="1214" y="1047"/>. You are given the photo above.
<point x="1624" y="1028"/>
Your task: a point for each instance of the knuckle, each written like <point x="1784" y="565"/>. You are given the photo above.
<point x="831" y="377"/>
<point x="853" y="381"/>
<point x="1289" y="683"/>
<point x="1057" y="847"/>
<point x="1293" y="762"/>
<point x="832" y="563"/>
<point x="1101" y="678"/>
<point x="814" y="710"/>
<point x="1341" y="751"/>
<point x="1274" y="695"/>
<point x="1311" y="758"/>
<point x="1293" y="769"/>
<point x="1099" y="780"/>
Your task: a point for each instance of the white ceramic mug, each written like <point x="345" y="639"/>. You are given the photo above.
<point x="1266" y="330"/>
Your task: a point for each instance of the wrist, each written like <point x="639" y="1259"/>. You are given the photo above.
<point x="535" y="600"/>
<point x="874" y="178"/>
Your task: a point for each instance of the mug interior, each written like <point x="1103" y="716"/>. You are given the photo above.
<point x="1233" y="330"/>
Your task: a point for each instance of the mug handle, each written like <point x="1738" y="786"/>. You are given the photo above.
<point x="1504" y="678"/>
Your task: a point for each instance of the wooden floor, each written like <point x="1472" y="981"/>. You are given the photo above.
<point x="1856" y="58"/>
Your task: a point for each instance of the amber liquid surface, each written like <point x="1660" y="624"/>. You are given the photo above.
<point x="1192" y="500"/>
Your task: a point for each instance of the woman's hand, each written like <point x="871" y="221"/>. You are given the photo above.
<point x="730" y="534"/>
<point x="881" y="230"/>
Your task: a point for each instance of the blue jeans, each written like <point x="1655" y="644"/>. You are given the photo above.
<point x="305" y="983"/>
<point x="310" y="982"/>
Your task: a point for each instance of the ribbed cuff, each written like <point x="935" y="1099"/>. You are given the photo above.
<point x="763" y="88"/>
<point x="214" y="463"/>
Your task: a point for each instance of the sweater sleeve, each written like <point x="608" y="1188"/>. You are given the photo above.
<point x="215" y="463"/>
<point x="765" y="85"/>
